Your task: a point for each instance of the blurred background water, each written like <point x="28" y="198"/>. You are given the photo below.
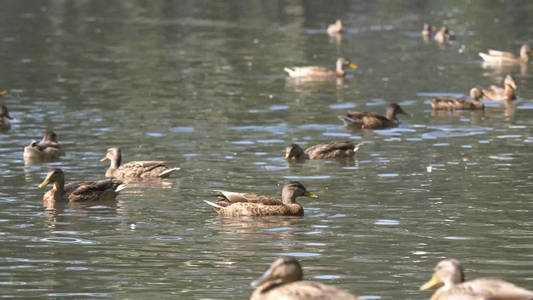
<point x="201" y="85"/>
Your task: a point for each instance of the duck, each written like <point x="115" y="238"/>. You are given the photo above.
<point x="332" y="150"/>
<point x="498" y="93"/>
<point x="450" y="103"/>
<point x="135" y="169"/>
<point x="372" y="120"/>
<point x="4" y="118"/>
<point x="335" y="28"/>
<point x="106" y="189"/>
<point x="449" y="275"/>
<point x="47" y="149"/>
<point x="284" y="280"/>
<point x="233" y="204"/>
<point x="444" y="35"/>
<point x="427" y="30"/>
<point x="318" y="72"/>
<point x="507" y="58"/>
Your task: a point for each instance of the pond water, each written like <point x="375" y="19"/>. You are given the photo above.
<point x="201" y="85"/>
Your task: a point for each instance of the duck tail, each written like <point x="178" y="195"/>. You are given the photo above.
<point x="288" y="70"/>
<point x="356" y="147"/>
<point x="347" y="120"/>
<point x="120" y="187"/>
<point x="216" y="206"/>
<point x="167" y="173"/>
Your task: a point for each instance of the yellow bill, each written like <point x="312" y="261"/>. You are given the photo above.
<point x="310" y="195"/>
<point x="432" y="283"/>
<point x="45" y="183"/>
<point x="104" y="159"/>
<point x="353" y="66"/>
<point x="3" y="93"/>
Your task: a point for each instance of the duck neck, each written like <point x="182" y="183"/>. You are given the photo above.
<point x="59" y="187"/>
<point x="288" y="197"/>
<point x="339" y="69"/>
<point x="115" y="162"/>
<point x="509" y="93"/>
<point x="391" y="115"/>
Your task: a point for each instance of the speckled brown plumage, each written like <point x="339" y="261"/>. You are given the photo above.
<point x="248" y="204"/>
<point x="134" y="169"/>
<point x="496" y="57"/>
<point x="444" y="35"/>
<point x="449" y="273"/>
<point x="332" y="150"/>
<point x="79" y="191"/>
<point x="450" y="103"/>
<point x="312" y="71"/>
<point x="47" y="149"/>
<point x="498" y="93"/>
<point x="372" y="120"/>
<point x="283" y="280"/>
<point x="5" y="125"/>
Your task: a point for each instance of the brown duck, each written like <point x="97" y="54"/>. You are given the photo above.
<point x="283" y="280"/>
<point x="335" y="28"/>
<point x="444" y="35"/>
<point x="498" y="93"/>
<point x="333" y="150"/>
<point x="106" y="189"/>
<point x="371" y="120"/>
<point x="450" y="103"/>
<point x="427" y="30"/>
<point x="134" y="169"/>
<point x="247" y="204"/>
<point x="507" y="58"/>
<point x="47" y="149"/>
<point x="318" y="72"/>
<point x="449" y="273"/>
<point x="5" y="125"/>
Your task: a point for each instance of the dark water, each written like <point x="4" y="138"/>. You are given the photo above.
<point x="200" y="85"/>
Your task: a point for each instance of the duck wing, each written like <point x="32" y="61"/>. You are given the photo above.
<point x="310" y="71"/>
<point x="92" y="190"/>
<point x="487" y="288"/>
<point x="227" y="198"/>
<point x="330" y="150"/>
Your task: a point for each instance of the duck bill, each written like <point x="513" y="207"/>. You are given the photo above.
<point x="44" y="183"/>
<point x="310" y="195"/>
<point x="3" y="93"/>
<point x="8" y="116"/>
<point x="267" y="276"/>
<point x="432" y="283"/>
<point x="353" y="66"/>
<point x="104" y="159"/>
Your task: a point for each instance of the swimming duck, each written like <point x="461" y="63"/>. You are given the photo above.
<point x="372" y="120"/>
<point x="46" y="149"/>
<point x="450" y="103"/>
<point x="427" y="30"/>
<point x="449" y="273"/>
<point x="283" y="280"/>
<point x="335" y="28"/>
<point x="498" y="93"/>
<point x="106" y="189"/>
<point x="134" y="169"/>
<point x="444" y="35"/>
<point x="318" y="72"/>
<point x="4" y="116"/>
<point x="246" y="204"/>
<point x="332" y="150"/>
<point x="505" y="58"/>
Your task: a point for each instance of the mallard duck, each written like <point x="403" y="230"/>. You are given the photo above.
<point x="318" y="72"/>
<point x="335" y="28"/>
<point x="106" y="189"/>
<point x="46" y="149"/>
<point x="450" y="103"/>
<point x="4" y="116"/>
<point x="333" y="150"/>
<point x="372" y="120"/>
<point x="507" y="58"/>
<point x="449" y="273"/>
<point x="444" y="35"/>
<point x="283" y="280"/>
<point x="246" y="204"/>
<point x="427" y="30"/>
<point x="134" y="169"/>
<point x="498" y="93"/>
